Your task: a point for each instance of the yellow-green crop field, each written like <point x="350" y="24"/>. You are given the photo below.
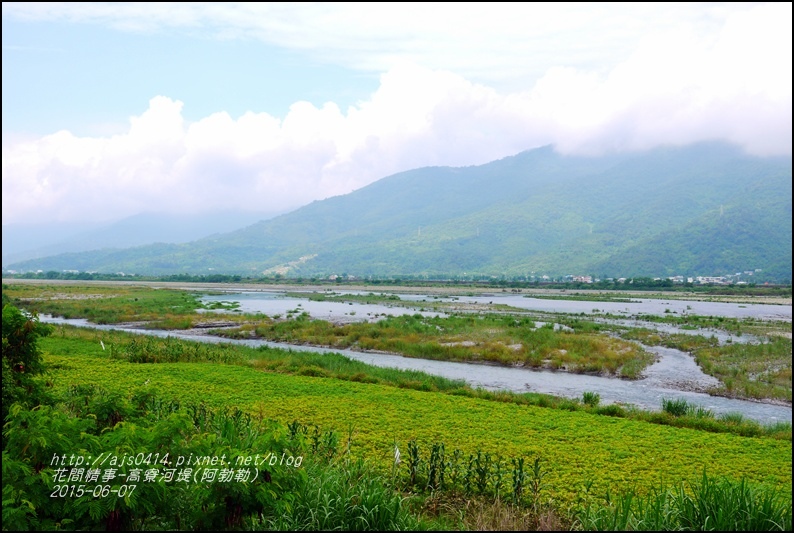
<point x="575" y="447"/>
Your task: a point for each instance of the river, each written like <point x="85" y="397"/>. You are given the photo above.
<point x="674" y="371"/>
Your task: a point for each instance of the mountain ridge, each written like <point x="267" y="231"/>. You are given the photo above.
<point x="650" y="213"/>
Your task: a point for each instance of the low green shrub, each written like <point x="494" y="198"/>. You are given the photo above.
<point x="591" y="398"/>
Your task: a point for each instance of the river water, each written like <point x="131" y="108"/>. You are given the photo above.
<point x="674" y="376"/>
<point x="277" y="303"/>
<point x="635" y="306"/>
<point x="648" y="306"/>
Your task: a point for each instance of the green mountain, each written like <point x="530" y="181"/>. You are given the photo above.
<point x="705" y="209"/>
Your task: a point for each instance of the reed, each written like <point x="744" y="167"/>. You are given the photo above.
<point x="716" y="504"/>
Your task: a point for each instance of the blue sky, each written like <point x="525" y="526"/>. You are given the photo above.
<point x="112" y="109"/>
<point x="90" y="79"/>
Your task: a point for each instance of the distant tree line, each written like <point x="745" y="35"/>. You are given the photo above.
<point x="424" y="280"/>
<point x="88" y="276"/>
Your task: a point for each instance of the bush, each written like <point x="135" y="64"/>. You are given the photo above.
<point x="591" y="398"/>
<point x="314" y="371"/>
<point x="611" y="410"/>
<point x="21" y="356"/>
<point x="678" y="407"/>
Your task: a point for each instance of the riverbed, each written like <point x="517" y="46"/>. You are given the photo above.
<point x="673" y="376"/>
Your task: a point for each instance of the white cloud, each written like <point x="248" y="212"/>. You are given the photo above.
<point x="678" y="85"/>
<point x="509" y="45"/>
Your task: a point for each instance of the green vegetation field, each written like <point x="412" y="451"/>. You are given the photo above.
<point x="576" y="447"/>
<point x="471" y="459"/>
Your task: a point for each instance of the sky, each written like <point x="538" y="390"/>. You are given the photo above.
<point x="113" y="109"/>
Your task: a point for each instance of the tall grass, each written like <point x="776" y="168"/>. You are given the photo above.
<point x="715" y="504"/>
<point x="591" y="398"/>
<point x="345" y="497"/>
<point x="676" y="407"/>
<point x="751" y="370"/>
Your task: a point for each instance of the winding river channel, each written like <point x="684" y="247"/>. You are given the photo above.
<point x="674" y="375"/>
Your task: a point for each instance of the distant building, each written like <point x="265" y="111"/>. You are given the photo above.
<point x="712" y="280"/>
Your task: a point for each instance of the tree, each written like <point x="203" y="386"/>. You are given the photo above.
<point x="21" y="356"/>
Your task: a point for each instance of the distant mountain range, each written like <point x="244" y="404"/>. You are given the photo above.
<point x="30" y="241"/>
<point x="705" y="209"/>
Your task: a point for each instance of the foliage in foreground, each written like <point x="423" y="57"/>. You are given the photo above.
<point x="44" y="488"/>
<point x="611" y="450"/>
<point x="21" y="356"/>
<point x="328" y="490"/>
<point x="708" y="504"/>
<point x="39" y="491"/>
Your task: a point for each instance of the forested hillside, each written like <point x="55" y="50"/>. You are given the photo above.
<point x="706" y="209"/>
